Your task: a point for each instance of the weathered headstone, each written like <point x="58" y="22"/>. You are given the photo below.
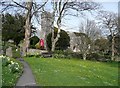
<point x="9" y="52"/>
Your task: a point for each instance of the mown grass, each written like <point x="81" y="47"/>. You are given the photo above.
<point x="9" y="78"/>
<point x="65" y="72"/>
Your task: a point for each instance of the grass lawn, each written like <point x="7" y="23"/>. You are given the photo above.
<point x="65" y="72"/>
<point x="9" y="78"/>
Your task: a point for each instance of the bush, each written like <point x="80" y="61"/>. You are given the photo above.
<point x="98" y="57"/>
<point x="66" y="54"/>
<point x="37" y="45"/>
<point x="59" y="56"/>
<point x="33" y="41"/>
<point x="63" y="41"/>
<point x="76" y="55"/>
<point x="16" y="54"/>
<point x="35" y="54"/>
<point x="93" y="56"/>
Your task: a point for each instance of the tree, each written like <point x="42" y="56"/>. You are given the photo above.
<point x="102" y="45"/>
<point x="12" y="28"/>
<point x="117" y="43"/>
<point x="63" y="41"/>
<point x="31" y="9"/>
<point x="83" y="43"/>
<point x="61" y="9"/>
<point x="91" y="30"/>
<point x="109" y="20"/>
<point x="33" y="41"/>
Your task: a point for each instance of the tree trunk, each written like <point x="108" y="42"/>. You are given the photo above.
<point x="84" y="56"/>
<point x="27" y="28"/>
<point x="52" y="40"/>
<point x="56" y="39"/>
<point x="113" y="49"/>
<point x="53" y="46"/>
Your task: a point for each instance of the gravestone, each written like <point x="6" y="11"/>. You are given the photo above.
<point x="9" y="52"/>
<point x="1" y="52"/>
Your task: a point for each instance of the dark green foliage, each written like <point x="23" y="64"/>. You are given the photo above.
<point x="13" y="27"/>
<point x="66" y="54"/>
<point x="77" y="55"/>
<point x="102" y="45"/>
<point x="98" y="57"/>
<point x="33" y="41"/>
<point x="93" y="56"/>
<point x="16" y="54"/>
<point x="63" y="41"/>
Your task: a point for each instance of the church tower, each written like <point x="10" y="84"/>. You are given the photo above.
<point x="46" y="25"/>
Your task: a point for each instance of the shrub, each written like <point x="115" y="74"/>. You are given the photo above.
<point x="35" y="54"/>
<point x="66" y="54"/>
<point x="37" y="46"/>
<point x="16" y="54"/>
<point x="98" y="57"/>
<point x="59" y="56"/>
<point x="33" y="41"/>
<point x="63" y="41"/>
<point x="93" y="56"/>
<point x="76" y="55"/>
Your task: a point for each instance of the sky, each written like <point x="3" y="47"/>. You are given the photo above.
<point x="72" y="23"/>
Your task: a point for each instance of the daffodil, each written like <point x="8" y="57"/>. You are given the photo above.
<point x="12" y="62"/>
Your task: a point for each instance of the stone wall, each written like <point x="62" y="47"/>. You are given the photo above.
<point x="35" y="51"/>
<point x="73" y="43"/>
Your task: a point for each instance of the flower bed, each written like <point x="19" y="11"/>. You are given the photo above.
<point x="11" y="70"/>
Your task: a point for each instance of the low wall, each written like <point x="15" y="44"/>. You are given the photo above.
<point x="35" y="51"/>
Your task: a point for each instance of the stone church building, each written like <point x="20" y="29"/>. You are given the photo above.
<point x="46" y="24"/>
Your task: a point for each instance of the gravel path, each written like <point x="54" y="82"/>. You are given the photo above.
<point x="27" y="78"/>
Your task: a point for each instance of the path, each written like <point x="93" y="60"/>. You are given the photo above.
<point x="27" y="78"/>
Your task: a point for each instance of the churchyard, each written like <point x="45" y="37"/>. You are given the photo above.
<point x="42" y="47"/>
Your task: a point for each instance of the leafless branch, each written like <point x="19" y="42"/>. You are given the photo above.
<point x="39" y="8"/>
<point x="20" y="5"/>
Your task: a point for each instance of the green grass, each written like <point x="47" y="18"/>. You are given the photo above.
<point x="8" y="78"/>
<point x="65" y="72"/>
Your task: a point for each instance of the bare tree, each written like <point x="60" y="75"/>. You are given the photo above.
<point x="31" y="9"/>
<point x="109" y="20"/>
<point x="91" y="30"/>
<point x="61" y="9"/>
<point x="83" y="43"/>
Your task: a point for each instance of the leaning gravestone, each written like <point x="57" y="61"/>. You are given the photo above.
<point x="9" y="52"/>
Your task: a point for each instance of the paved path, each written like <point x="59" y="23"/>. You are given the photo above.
<point x="27" y="78"/>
